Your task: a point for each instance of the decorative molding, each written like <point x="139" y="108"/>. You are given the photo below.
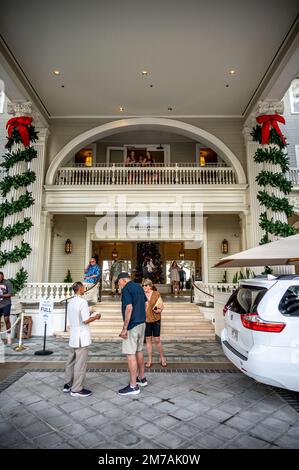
<point x="19" y="108"/>
<point x="270" y="107"/>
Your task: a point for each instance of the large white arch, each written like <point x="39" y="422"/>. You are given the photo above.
<point x="123" y="125"/>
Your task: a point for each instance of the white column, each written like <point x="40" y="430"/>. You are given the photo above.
<point x="204" y="252"/>
<point x="34" y="235"/>
<point x="17" y="109"/>
<point x="254" y="233"/>
<point x="46" y="236"/>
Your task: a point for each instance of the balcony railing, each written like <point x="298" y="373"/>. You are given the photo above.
<point x="293" y="176"/>
<point x="155" y="175"/>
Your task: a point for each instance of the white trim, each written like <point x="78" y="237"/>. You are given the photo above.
<point x="291" y="97"/>
<point x="174" y="126"/>
<point x="169" y="116"/>
<point x="297" y="155"/>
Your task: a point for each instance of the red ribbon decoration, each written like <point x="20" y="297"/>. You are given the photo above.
<point x="21" y="123"/>
<point x="268" y="120"/>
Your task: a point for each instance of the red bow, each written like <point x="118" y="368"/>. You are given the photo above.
<point x="268" y="120"/>
<point x="21" y="123"/>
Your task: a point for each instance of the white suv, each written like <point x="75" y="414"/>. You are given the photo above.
<point x="261" y="332"/>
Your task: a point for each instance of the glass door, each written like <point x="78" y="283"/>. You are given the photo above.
<point x="188" y="267"/>
<point x="106" y="266"/>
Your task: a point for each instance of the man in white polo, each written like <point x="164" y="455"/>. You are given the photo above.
<point x="80" y="338"/>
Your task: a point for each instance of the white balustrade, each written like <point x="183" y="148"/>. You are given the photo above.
<point x="33" y="292"/>
<point x="204" y="292"/>
<point x="155" y="175"/>
<point x="293" y="176"/>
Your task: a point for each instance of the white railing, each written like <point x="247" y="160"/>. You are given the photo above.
<point x="204" y="291"/>
<point x="57" y="291"/>
<point x="293" y="175"/>
<point x="156" y="175"/>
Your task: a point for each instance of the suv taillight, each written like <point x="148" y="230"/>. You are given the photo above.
<point x="252" y="321"/>
<point x="225" y="309"/>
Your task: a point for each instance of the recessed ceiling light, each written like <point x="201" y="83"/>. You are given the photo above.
<point x="232" y="72"/>
<point x="227" y="85"/>
<point x="56" y="72"/>
<point x="144" y="73"/>
<point x="170" y="108"/>
<point x="121" y="108"/>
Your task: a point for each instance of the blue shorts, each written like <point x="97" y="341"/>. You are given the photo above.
<point x="5" y="311"/>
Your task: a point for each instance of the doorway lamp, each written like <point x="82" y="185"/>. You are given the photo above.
<point x="224" y="246"/>
<point x="68" y="246"/>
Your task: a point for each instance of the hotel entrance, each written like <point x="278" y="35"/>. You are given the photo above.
<point x="132" y="257"/>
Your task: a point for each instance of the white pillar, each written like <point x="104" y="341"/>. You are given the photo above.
<point x="45" y="245"/>
<point x="31" y="263"/>
<point x="17" y="109"/>
<point x="204" y="252"/>
<point x="254" y="233"/>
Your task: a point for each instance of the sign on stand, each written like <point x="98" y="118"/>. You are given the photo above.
<point x="46" y="307"/>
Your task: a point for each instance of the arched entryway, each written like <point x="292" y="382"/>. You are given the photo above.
<point x="124" y="125"/>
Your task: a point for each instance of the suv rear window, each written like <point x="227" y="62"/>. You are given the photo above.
<point x="246" y="299"/>
<point x="289" y="304"/>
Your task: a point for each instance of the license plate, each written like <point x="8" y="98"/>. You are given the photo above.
<point x="235" y="334"/>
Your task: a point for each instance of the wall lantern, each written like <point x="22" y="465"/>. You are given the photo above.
<point x="182" y="252"/>
<point x="68" y="246"/>
<point x="224" y="246"/>
<point x="114" y="252"/>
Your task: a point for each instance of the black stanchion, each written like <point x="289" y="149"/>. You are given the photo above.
<point x="44" y="352"/>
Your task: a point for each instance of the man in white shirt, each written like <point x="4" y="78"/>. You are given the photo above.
<point x="80" y="338"/>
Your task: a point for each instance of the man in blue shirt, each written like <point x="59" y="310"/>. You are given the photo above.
<point x="133" y="310"/>
<point x="92" y="272"/>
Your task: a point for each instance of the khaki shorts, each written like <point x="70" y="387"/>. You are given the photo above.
<point x="135" y="340"/>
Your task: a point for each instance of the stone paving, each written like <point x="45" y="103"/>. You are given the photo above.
<point x="176" y="410"/>
<point x="192" y="351"/>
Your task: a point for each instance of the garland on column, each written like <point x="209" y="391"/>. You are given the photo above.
<point x="268" y="132"/>
<point x="20" y="131"/>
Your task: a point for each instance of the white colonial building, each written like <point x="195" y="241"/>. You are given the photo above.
<point x="143" y="82"/>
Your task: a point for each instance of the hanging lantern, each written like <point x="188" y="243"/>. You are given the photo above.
<point x="182" y="252"/>
<point x="114" y="253"/>
<point x="68" y="246"/>
<point x="224" y="246"/>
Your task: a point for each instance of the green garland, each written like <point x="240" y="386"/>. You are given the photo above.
<point x="16" y="181"/>
<point x="13" y="206"/>
<point x="11" y="158"/>
<point x="265" y="178"/>
<point x="272" y="155"/>
<point x="276" y="180"/>
<point x="15" y="230"/>
<point x="270" y="201"/>
<point x="8" y="208"/>
<point x="17" y="254"/>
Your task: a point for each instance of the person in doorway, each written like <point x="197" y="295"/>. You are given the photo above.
<point x="182" y="274"/>
<point x="148" y="160"/>
<point x="148" y="268"/>
<point x="174" y="277"/>
<point x="6" y="291"/>
<point x="154" y="309"/>
<point x="133" y="301"/>
<point x="80" y="339"/>
<point x="92" y="275"/>
<point x="115" y="270"/>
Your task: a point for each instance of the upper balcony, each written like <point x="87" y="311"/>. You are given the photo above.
<point x="160" y="174"/>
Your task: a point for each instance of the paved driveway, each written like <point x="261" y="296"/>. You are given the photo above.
<point x="191" y="410"/>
